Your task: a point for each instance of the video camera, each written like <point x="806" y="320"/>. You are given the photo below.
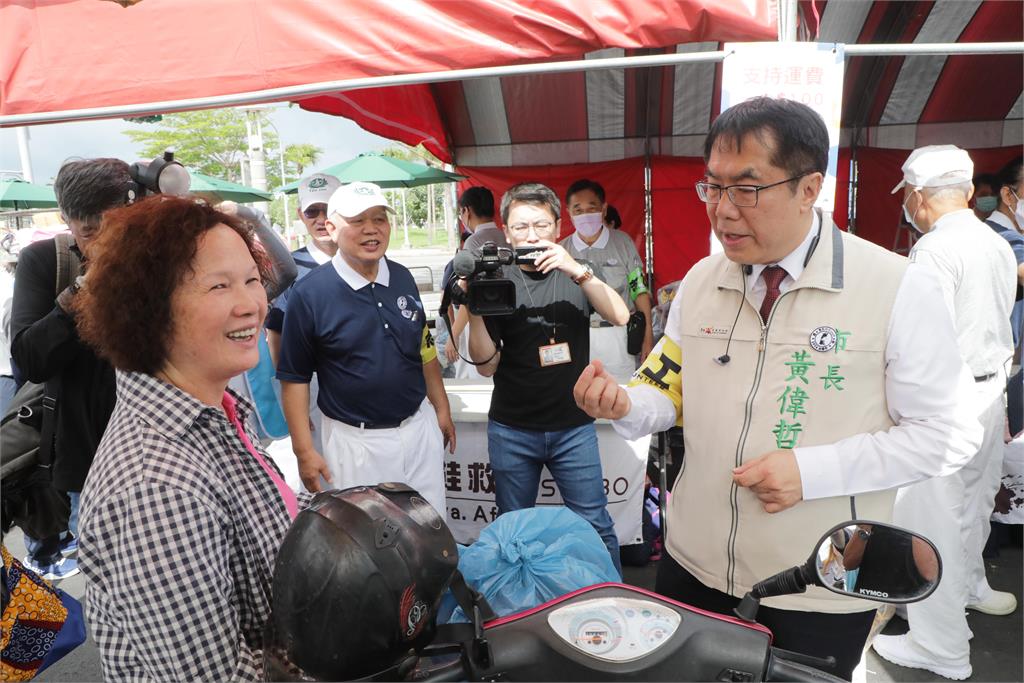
<point x="488" y="293"/>
<point x="162" y="175"/>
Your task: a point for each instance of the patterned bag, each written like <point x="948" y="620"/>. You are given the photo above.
<point x="39" y="625"/>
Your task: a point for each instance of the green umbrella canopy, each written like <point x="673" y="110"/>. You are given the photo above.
<point x="19" y="195"/>
<point x="217" y="190"/>
<point x="384" y="171"/>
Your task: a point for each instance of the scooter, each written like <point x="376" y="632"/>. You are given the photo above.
<point x="616" y="632"/>
<point x="359" y="577"/>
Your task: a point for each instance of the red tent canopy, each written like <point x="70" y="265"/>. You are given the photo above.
<point x="56" y="55"/>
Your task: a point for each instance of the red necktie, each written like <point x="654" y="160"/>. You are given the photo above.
<point x="773" y="277"/>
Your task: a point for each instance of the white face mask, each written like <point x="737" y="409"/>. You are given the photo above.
<point x="588" y="224"/>
<point x="1018" y="212"/>
<point x="910" y="219"/>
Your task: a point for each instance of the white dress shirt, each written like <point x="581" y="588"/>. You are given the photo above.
<point x="922" y="390"/>
<point x="977" y="272"/>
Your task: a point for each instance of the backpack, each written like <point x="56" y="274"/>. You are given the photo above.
<point x="27" y="433"/>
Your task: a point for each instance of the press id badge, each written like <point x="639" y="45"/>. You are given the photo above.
<point x="554" y="354"/>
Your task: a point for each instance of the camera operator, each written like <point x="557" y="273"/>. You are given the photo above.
<point x="46" y="348"/>
<point x="544" y="343"/>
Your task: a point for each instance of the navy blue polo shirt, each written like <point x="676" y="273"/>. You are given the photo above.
<point x="304" y="264"/>
<point x="366" y="344"/>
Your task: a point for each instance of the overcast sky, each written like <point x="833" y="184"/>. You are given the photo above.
<point x="339" y="138"/>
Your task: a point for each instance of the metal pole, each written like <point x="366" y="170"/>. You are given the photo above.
<point x="295" y="92"/>
<point x="904" y="49"/>
<point x="300" y="91"/>
<point x="26" y="156"/>
<point x="284" y="181"/>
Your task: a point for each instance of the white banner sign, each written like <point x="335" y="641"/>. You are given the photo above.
<point x="469" y="485"/>
<point x="811" y="73"/>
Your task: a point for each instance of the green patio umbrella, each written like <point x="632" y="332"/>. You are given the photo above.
<point x="217" y="190"/>
<point x="373" y="167"/>
<point x="20" y="195"/>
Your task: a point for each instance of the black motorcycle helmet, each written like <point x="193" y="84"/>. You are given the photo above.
<point x="357" y="583"/>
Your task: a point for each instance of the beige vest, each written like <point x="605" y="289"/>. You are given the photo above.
<point x="777" y="391"/>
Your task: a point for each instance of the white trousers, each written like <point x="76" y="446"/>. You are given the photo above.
<point x="982" y="477"/>
<point x="953" y="512"/>
<point x="412" y="453"/>
<point x="464" y="370"/>
<point x="608" y="344"/>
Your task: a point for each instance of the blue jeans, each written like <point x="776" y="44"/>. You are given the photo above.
<point x="8" y="388"/>
<point x="47" y="550"/>
<point x="571" y="455"/>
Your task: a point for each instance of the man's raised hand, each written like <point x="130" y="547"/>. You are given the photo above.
<point x="598" y="394"/>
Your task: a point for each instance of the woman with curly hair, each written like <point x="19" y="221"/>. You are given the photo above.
<point x="183" y="511"/>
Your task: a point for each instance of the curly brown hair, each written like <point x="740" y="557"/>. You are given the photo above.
<point x="142" y="254"/>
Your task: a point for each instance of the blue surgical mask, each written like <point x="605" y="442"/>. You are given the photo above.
<point x="986" y="204"/>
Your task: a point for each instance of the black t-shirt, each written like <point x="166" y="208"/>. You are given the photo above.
<point x="526" y="395"/>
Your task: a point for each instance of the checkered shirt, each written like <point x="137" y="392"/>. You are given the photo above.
<point x="179" y="529"/>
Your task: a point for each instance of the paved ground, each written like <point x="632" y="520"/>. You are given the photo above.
<point x="996" y="649"/>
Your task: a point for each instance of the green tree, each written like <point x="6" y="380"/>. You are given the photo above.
<point x="213" y="141"/>
<point x="298" y="158"/>
<point x="424" y="203"/>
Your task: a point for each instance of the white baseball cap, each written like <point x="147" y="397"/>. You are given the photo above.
<point x="316" y="189"/>
<point x="936" y="166"/>
<point x="352" y="199"/>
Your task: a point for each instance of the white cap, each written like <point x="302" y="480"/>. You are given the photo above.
<point x="352" y="199"/>
<point x="316" y="189"/>
<point x="936" y="166"/>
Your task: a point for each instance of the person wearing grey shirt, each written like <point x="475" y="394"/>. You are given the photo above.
<point x="614" y="252"/>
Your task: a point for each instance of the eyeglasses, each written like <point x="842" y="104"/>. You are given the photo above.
<point x="744" y="196"/>
<point x="314" y="210"/>
<point x="538" y="227"/>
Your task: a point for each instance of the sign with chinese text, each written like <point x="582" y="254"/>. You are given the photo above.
<point x="811" y="73"/>
<point x="469" y="483"/>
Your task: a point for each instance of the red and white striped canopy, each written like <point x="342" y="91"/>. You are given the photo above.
<point x="893" y="102"/>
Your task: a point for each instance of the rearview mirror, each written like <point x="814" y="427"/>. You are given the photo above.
<point x="877" y="562"/>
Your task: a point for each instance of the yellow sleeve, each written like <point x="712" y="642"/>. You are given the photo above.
<point x="662" y="371"/>
<point x="428" y="351"/>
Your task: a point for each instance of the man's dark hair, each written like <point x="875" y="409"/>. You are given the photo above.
<point x="85" y="188"/>
<point x="1012" y="174"/>
<point x="585" y="184"/>
<point x="537" y="194"/>
<point x="611" y="215"/>
<point x="794" y="132"/>
<point x="480" y="200"/>
<point x="989" y="179"/>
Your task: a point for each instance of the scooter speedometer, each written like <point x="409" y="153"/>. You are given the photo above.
<point x="614" y="629"/>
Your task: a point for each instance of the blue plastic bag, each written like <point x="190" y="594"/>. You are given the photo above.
<point x="527" y="557"/>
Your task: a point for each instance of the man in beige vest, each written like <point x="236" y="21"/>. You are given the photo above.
<point x="978" y="274"/>
<point x="813" y="373"/>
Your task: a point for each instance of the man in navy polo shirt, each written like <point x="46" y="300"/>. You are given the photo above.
<point x="314" y="191"/>
<point x="359" y="325"/>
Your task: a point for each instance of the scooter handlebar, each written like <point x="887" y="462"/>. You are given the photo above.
<point x="782" y="669"/>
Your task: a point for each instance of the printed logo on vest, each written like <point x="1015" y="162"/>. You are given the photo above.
<point x="402" y="302"/>
<point x="709" y="331"/>
<point x="823" y="338"/>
